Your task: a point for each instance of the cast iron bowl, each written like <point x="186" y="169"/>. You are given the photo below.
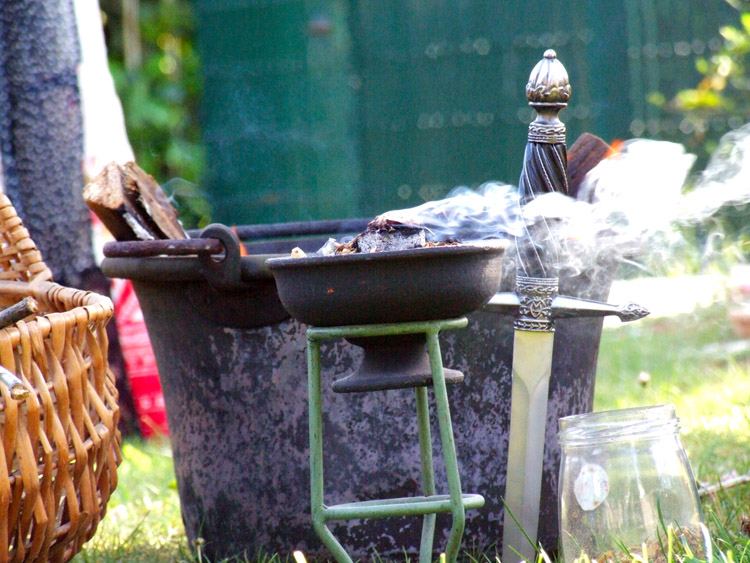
<point x="385" y="287"/>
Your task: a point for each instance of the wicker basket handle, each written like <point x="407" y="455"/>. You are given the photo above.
<point x="20" y="259"/>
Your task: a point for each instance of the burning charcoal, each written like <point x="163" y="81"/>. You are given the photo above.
<point x="386" y="234"/>
<point x="398" y="239"/>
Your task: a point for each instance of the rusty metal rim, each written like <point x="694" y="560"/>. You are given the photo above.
<point x="170" y="247"/>
<point x="297" y="229"/>
<point x="180" y="268"/>
<point x="199" y="244"/>
<point x="287" y="262"/>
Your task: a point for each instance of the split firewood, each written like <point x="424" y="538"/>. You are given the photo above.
<point x="106" y="198"/>
<point x="147" y="196"/>
<point x="26" y="307"/>
<point x="132" y="205"/>
<point x="588" y="151"/>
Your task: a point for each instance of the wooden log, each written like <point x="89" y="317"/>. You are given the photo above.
<point x="132" y="205"/>
<point x="588" y="151"/>
<point x="152" y="203"/>
<point x="106" y="198"/>
<point x="19" y="311"/>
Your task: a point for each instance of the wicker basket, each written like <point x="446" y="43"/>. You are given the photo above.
<point x="60" y="444"/>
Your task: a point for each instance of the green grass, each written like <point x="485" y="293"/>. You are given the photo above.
<point x="143" y="522"/>
<point x="710" y="389"/>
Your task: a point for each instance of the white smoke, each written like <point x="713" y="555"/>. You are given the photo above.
<point x="724" y="182"/>
<point x="630" y="206"/>
<point x="467" y="215"/>
<point x="631" y="202"/>
<point x="630" y="196"/>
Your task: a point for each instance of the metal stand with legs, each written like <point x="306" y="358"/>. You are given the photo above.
<point x="430" y="503"/>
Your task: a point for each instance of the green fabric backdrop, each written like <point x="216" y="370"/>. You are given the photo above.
<point x="325" y="109"/>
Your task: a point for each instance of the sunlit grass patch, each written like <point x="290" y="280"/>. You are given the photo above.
<point x="711" y="393"/>
<point x="143" y="521"/>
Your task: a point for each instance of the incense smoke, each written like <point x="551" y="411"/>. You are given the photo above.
<point x="724" y="182"/>
<point x="492" y="211"/>
<point x="628" y="208"/>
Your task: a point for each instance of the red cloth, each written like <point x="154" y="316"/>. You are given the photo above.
<point x="140" y="362"/>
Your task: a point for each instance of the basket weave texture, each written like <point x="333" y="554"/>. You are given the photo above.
<point x="60" y="445"/>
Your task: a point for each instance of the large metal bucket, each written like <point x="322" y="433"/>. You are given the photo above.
<point x="233" y="374"/>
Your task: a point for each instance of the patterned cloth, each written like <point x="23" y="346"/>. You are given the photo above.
<point x="41" y="132"/>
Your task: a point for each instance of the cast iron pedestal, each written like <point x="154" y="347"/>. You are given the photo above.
<point x="430" y="503"/>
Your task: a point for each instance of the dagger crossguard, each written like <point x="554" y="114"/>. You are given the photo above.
<point x="535" y="303"/>
<point x="564" y="307"/>
<point x="631" y="312"/>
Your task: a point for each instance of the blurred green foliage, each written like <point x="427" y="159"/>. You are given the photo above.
<point x="160" y="95"/>
<point x="724" y="91"/>
<point x="719" y="103"/>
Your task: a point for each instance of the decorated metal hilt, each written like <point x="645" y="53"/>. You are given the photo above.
<point x="535" y="302"/>
<point x="544" y="171"/>
<point x="548" y="92"/>
<point x="535" y="296"/>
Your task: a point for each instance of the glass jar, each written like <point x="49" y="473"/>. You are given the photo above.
<point x="625" y="481"/>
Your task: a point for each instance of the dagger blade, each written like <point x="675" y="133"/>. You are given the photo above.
<point x="532" y="364"/>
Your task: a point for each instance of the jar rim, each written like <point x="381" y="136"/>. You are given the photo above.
<point x="620" y="424"/>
